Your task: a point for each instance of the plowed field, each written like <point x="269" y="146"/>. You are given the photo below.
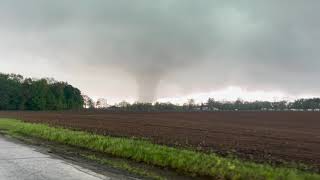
<point x="261" y="136"/>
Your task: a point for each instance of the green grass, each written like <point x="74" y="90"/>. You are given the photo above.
<point x="185" y="161"/>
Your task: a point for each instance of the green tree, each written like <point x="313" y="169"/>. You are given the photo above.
<point x="17" y="93"/>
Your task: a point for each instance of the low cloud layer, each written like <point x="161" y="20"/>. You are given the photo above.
<point x="169" y="47"/>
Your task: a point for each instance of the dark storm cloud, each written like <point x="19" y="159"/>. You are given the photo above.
<point x="197" y="44"/>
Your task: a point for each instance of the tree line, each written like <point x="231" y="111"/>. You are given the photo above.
<point x="312" y="104"/>
<point x="19" y="93"/>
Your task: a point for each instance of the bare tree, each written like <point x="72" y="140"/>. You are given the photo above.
<point x="102" y="103"/>
<point x="88" y="102"/>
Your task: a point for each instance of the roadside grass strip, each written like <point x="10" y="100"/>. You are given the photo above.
<point x="184" y="161"/>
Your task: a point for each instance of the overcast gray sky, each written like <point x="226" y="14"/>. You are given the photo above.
<point x="142" y="49"/>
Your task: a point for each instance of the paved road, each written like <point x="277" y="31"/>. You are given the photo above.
<point x="20" y="162"/>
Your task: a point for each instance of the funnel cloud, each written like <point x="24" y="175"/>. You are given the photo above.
<point x="152" y="49"/>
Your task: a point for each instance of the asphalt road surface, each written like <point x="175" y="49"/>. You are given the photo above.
<point x="21" y="162"/>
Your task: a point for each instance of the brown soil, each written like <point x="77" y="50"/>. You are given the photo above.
<point x="260" y="136"/>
